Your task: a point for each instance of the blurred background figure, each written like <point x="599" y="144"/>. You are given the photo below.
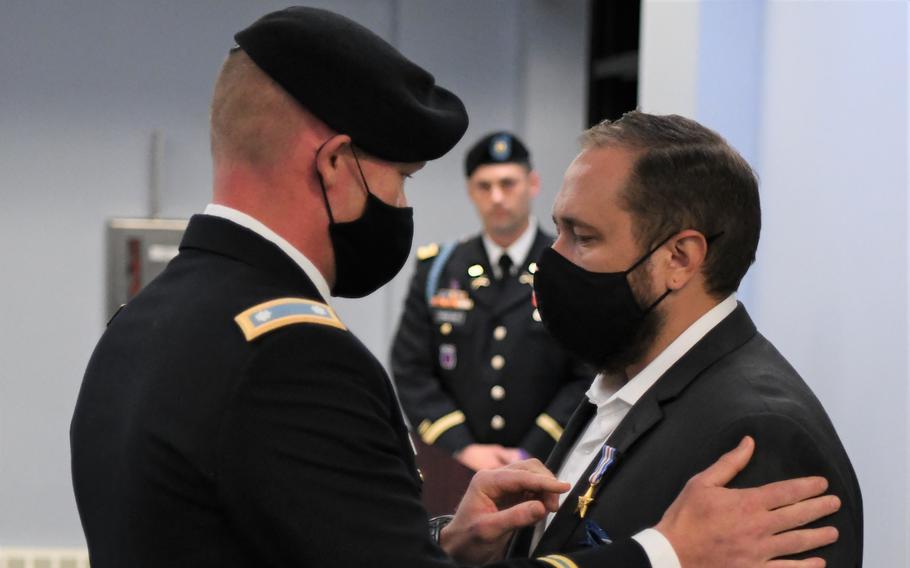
<point x="477" y="373"/>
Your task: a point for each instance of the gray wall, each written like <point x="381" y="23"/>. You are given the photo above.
<point x="815" y="95"/>
<point x="83" y="86"/>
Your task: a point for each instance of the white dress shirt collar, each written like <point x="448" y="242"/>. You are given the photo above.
<point x="605" y="390"/>
<point x="258" y="227"/>
<point x="517" y="251"/>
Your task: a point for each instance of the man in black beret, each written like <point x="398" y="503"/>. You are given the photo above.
<point x="475" y="369"/>
<point x="228" y="418"/>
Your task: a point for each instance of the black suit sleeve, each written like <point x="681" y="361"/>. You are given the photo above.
<point x="431" y="410"/>
<point x="784" y="449"/>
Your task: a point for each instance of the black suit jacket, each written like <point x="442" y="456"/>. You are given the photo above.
<point x="731" y="383"/>
<point x="194" y="447"/>
<point x="442" y="358"/>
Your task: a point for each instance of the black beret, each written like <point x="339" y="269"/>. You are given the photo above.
<point x="357" y="83"/>
<point x="496" y="148"/>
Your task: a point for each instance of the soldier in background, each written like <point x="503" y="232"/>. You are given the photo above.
<point x="477" y="373"/>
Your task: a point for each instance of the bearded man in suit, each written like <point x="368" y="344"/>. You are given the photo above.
<point x="658" y="221"/>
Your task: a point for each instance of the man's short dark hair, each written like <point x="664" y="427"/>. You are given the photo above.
<point x="686" y="176"/>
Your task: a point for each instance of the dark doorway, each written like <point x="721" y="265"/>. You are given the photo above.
<point x="613" y="66"/>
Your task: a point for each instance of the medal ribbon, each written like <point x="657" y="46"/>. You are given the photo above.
<point x="607" y="459"/>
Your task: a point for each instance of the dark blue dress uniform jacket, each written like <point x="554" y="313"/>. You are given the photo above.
<point x="482" y="370"/>
<point x="195" y="447"/>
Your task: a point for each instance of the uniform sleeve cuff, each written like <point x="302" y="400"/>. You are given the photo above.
<point x="549" y="425"/>
<point x="658" y="549"/>
<point x="431" y="431"/>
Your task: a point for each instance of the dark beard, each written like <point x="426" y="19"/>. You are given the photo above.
<point x="634" y="347"/>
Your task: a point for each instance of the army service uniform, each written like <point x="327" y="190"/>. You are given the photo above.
<point x="228" y="419"/>
<point x="471" y="360"/>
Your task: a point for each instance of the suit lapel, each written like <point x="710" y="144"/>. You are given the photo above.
<point x="641" y="418"/>
<point x="558" y="535"/>
<point x="576" y="425"/>
<point x="521" y="544"/>
<point x="730" y="334"/>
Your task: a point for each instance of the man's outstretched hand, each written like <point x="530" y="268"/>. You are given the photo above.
<point x="497" y="502"/>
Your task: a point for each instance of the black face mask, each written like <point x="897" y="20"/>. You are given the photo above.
<point x="370" y="250"/>
<point x="594" y="315"/>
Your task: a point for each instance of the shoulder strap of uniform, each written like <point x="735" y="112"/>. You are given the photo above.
<point x="427" y="252"/>
<point x="436" y="268"/>
<point x="274" y="314"/>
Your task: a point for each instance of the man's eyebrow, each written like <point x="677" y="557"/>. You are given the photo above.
<point x="572" y="222"/>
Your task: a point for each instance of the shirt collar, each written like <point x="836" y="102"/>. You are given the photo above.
<point x="258" y="227"/>
<point x="518" y="251"/>
<point x="606" y="389"/>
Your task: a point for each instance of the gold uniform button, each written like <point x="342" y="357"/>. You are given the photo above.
<point x="532" y="268"/>
<point x="475" y="270"/>
<point x="497" y="393"/>
<point x="500" y="332"/>
<point x="498" y="422"/>
<point x="498" y="362"/>
<point x="536" y="315"/>
<point x="445" y="328"/>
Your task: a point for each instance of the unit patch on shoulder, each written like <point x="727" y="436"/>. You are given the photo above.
<point x="427" y="251"/>
<point x="265" y="317"/>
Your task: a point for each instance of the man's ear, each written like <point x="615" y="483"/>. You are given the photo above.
<point x="687" y="257"/>
<point x="328" y="158"/>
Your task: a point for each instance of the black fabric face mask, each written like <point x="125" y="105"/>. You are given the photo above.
<point x="372" y="249"/>
<point x="593" y="315"/>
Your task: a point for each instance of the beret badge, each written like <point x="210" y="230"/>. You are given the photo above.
<point x="501" y="148"/>
<point x="496" y="148"/>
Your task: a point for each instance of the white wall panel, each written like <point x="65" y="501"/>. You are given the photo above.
<point x="832" y="275"/>
<point x="668" y="68"/>
<point x="815" y="95"/>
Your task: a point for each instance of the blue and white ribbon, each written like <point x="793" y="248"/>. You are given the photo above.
<point x="607" y="459"/>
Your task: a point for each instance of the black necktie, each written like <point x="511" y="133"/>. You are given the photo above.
<point x="505" y="266"/>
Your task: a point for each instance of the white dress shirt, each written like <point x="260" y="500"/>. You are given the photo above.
<point x="260" y="229"/>
<point x="517" y="251"/>
<point x="613" y="401"/>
